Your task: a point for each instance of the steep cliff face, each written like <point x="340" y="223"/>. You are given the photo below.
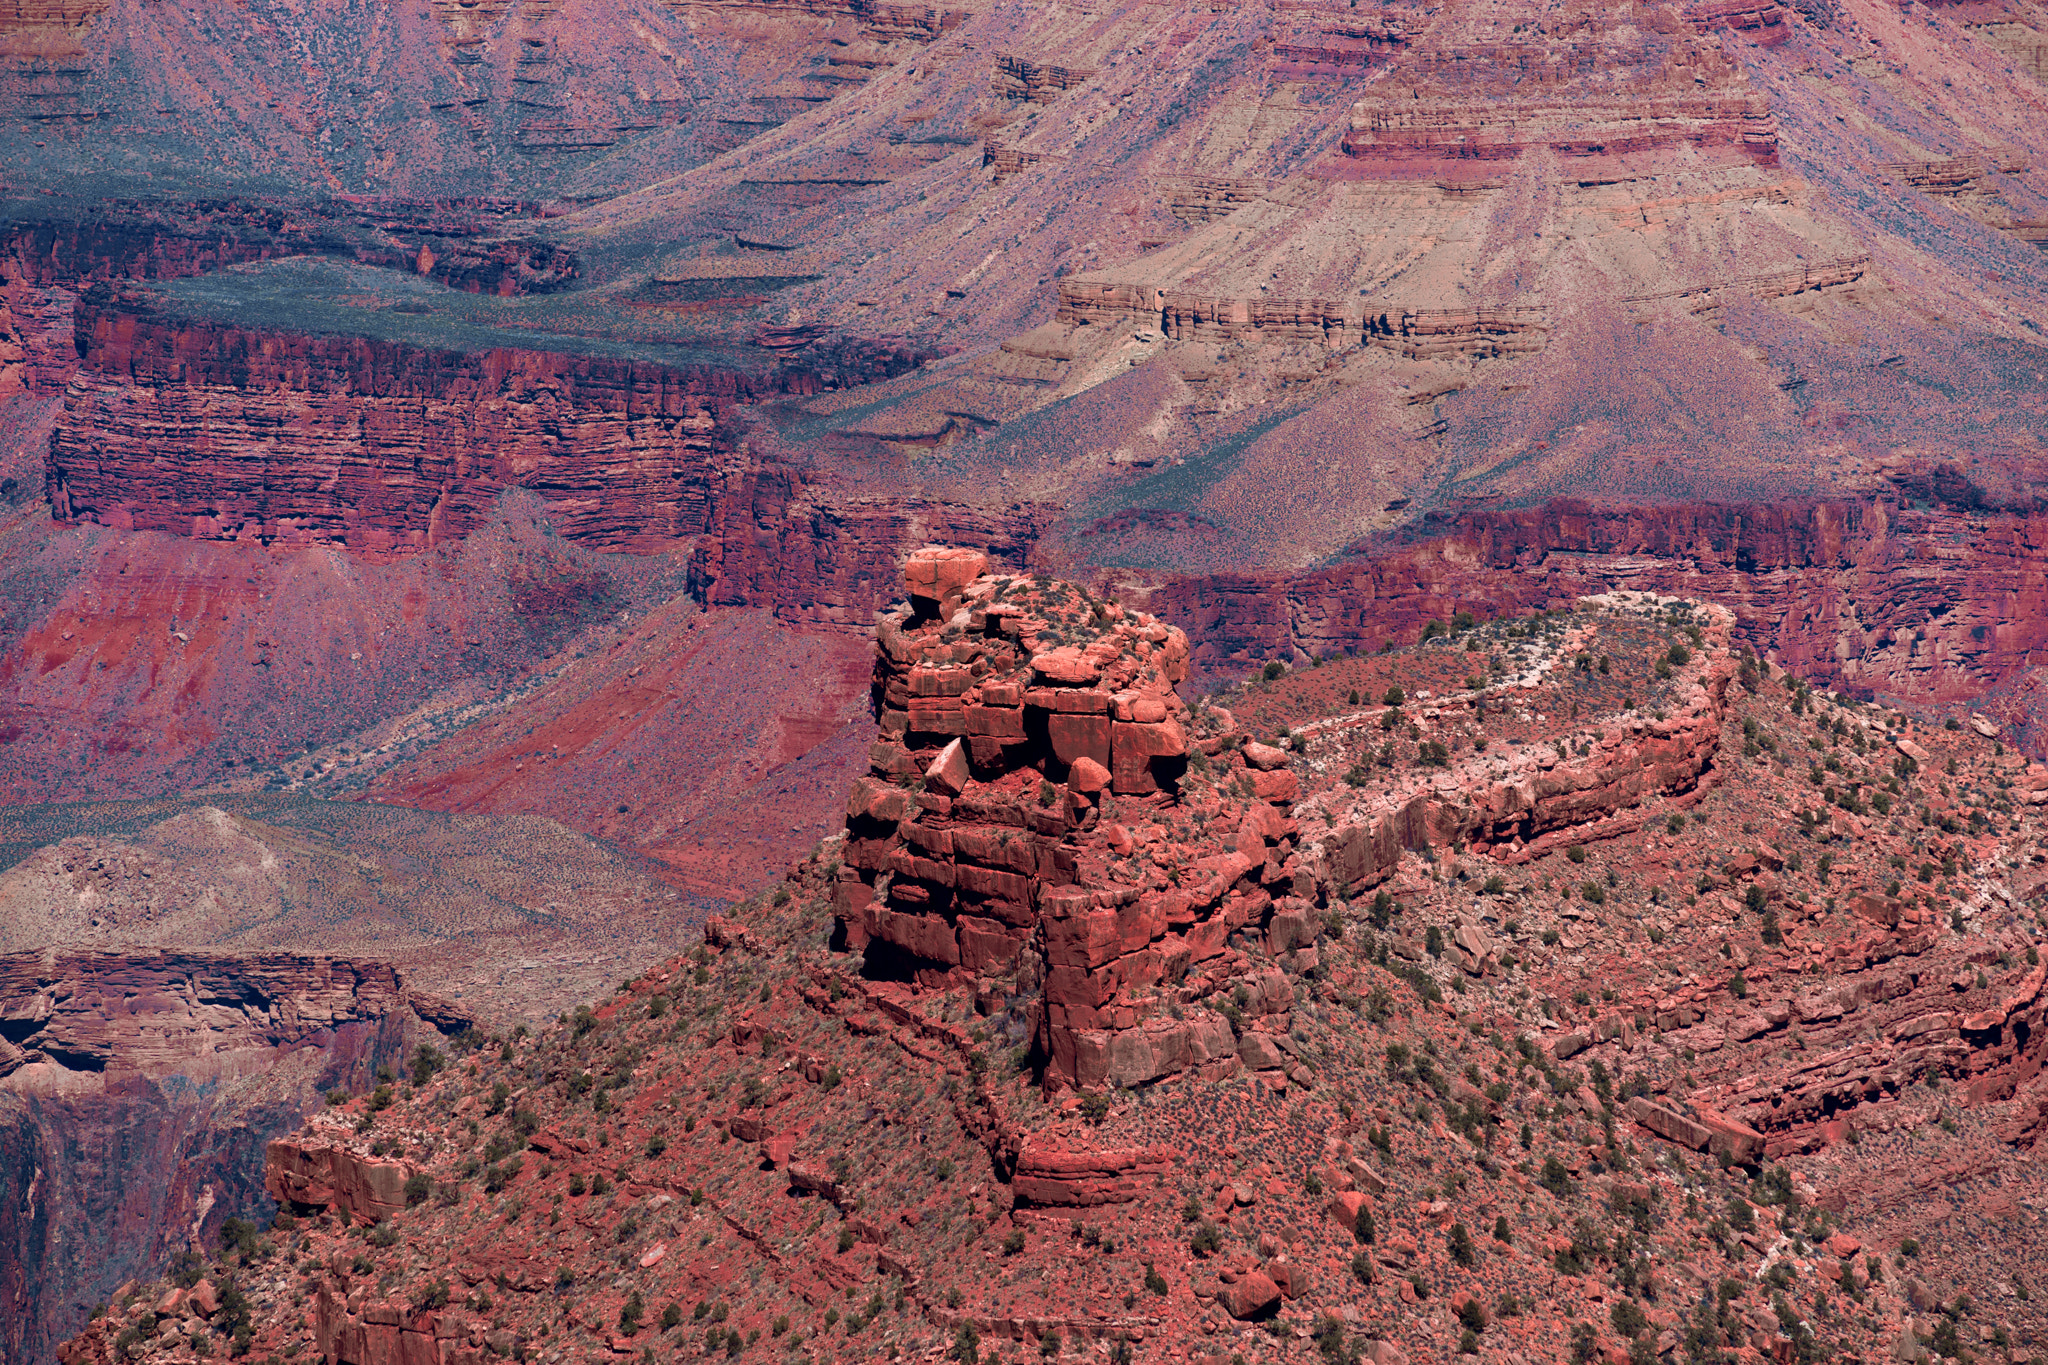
<point x="817" y="557"/>
<point x="220" y="432"/>
<point x="44" y="264"/>
<point x="46" y="261"/>
<point x="1928" y="603"/>
<point x="137" y="1093"/>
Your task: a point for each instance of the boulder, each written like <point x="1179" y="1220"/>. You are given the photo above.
<point x="1474" y="949"/>
<point x="1258" y="1052"/>
<point x="1087" y="776"/>
<point x="813" y="1177"/>
<point x="1291" y="928"/>
<point x="948" y="772"/>
<point x="1668" y="1123"/>
<point x="1277" y="786"/>
<point x="1252" y="1295"/>
<point x="1730" y="1137"/>
<point x="1343" y="1209"/>
<point x="1264" y="757"/>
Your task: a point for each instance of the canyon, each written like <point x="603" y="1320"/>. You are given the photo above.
<point x="1144" y="633"/>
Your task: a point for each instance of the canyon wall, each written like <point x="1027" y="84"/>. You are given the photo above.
<point x="222" y="432"/>
<point x="219" y="432"/>
<point x="44" y="263"/>
<point x="816" y="558"/>
<point x="137" y="1093"/>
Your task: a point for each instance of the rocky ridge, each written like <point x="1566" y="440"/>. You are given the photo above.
<point x="1440" y="1114"/>
<point x="1856" y="595"/>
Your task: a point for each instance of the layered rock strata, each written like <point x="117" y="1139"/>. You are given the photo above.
<point x="44" y="264"/>
<point x="1506" y="805"/>
<point x="221" y="432"/>
<point x="1014" y="712"/>
<point x="781" y="539"/>
<point x="1025" y="722"/>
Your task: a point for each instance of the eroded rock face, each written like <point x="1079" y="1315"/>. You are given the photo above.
<point x="1687" y="1008"/>
<point x="1015" y="712"/>
<point x="45" y="264"/>
<point x="99" y="1014"/>
<point x="780" y="539"/>
<point x="217" y="432"/>
<point x="1025" y="721"/>
<point x="298" y="1170"/>
<point x="383" y="448"/>
<point x="137" y="1091"/>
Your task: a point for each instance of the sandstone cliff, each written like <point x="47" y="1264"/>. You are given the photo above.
<point x="395" y="449"/>
<point x="46" y="261"/>
<point x="388" y="450"/>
